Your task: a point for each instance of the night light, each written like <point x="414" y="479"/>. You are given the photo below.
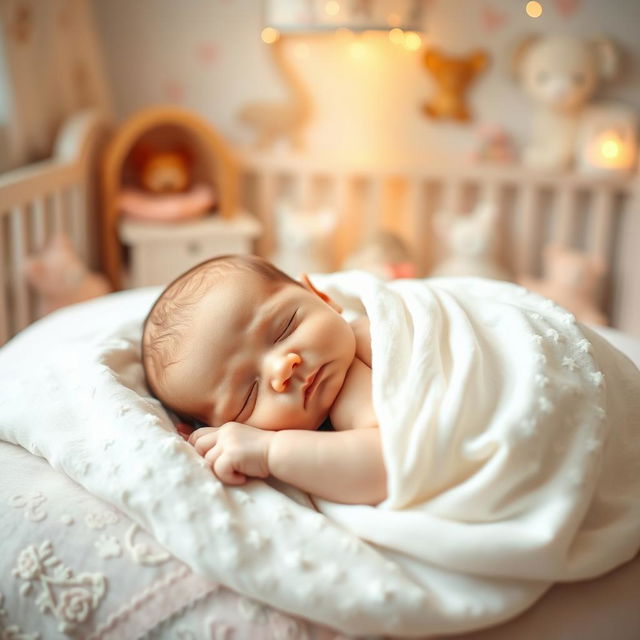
<point x="608" y="141"/>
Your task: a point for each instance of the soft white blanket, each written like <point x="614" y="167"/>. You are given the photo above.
<point x="508" y="435"/>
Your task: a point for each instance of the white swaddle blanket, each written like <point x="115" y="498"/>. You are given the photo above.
<point x="510" y="436"/>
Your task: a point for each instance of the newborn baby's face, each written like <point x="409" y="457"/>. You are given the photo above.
<point x="271" y="356"/>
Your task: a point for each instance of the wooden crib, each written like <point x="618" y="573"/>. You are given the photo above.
<point x="599" y="215"/>
<point x="39" y="200"/>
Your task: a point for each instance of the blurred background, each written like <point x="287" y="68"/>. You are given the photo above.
<point x="409" y="137"/>
<point x="366" y="92"/>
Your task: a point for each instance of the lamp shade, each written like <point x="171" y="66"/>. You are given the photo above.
<point x="312" y="16"/>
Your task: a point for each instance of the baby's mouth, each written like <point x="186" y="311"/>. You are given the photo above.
<point x="311" y="385"/>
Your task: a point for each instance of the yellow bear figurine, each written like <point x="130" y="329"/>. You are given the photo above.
<point x="452" y="76"/>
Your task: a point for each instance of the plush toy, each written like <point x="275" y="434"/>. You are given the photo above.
<point x="60" y="278"/>
<point x="493" y="145"/>
<point x="304" y="239"/>
<point x="163" y="170"/>
<point x="452" y="76"/>
<point x="386" y="255"/>
<point x="165" y="191"/>
<point x="470" y="243"/>
<point x="561" y="74"/>
<point x="572" y="279"/>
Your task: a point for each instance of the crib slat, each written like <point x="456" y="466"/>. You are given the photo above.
<point x="601" y="224"/>
<point x="340" y="190"/>
<point x="265" y="208"/>
<point x="562" y="231"/>
<point x="451" y="196"/>
<point x="302" y="191"/>
<point x="39" y="226"/>
<point x="489" y="193"/>
<point x="78" y="221"/>
<point x="528" y="232"/>
<point x="372" y="204"/>
<point x="4" y="310"/>
<point x="18" y="237"/>
<point x="415" y="233"/>
<point x="58" y="212"/>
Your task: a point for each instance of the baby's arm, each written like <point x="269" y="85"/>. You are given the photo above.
<point x="342" y="466"/>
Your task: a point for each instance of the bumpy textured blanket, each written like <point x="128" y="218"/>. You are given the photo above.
<point x="510" y="435"/>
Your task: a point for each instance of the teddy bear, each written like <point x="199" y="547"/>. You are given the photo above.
<point x="384" y="254"/>
<point x="470" y="243"/>
<point x="60" y="278"/>
<point x="561" y="74"/>
<point x="165" y="190"/>
<point x="452" y="76"/>
<point x="572" y="279"/>
<point x="163" y="171"/>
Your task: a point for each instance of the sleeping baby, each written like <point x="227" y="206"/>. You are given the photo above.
<point x="264" y="360"/>
<point x="471" y="400"/>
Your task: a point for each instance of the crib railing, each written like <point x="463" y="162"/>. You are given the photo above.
<point x="537" y="208"/>
<point x="39" y="200"/>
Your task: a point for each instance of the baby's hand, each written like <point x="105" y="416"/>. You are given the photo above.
<point x="234" y="451"/>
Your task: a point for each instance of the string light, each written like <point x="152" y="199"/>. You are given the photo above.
<point x="332" y="8"/>
<point x="412" y="41"/>
<point x="533" y="9"/>
<point x="396" y="35"/>
<point x="270" y="35"/>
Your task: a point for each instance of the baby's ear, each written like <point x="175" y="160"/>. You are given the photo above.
<point x="307" y="284"/>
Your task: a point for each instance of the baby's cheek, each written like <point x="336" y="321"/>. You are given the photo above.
<point x="278" y="412"/>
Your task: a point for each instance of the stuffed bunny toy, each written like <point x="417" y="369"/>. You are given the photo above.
<point x="60" y="278"/>
<point x="572" y="279"/>
<point x="470" y="243"/>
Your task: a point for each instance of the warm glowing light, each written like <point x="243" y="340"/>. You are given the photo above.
<point x="610" y="149"/>
<point x="301" y="50"/>
<point x="533" y="9"/>
<point x="358" y="50"/>
<point x="412" y="41"/>
<point x="396" y="36"/>
<point x="270" y="35"/>
<point x="332" y="8"/>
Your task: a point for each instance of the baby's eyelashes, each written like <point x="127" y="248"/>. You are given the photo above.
<point x="288" y="328"/>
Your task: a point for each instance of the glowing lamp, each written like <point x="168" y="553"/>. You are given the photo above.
<point x="313" y="16"/>
<point x="608" y="141"/>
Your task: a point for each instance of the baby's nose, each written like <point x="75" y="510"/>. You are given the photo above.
<point x="283" y="370"/>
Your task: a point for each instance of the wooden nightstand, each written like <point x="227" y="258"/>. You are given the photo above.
<point x="159" y="252"/>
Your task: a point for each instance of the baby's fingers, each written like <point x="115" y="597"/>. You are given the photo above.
<point x="224" y="471"/>
<point x="205" y="442"/>
<point x="198" y="433"/>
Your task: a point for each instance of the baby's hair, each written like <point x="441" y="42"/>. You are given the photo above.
<point x="170" y="316"/>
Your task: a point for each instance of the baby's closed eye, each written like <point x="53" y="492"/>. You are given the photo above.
<point x="289" y="326"/>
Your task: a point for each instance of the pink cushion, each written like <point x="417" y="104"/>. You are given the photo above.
<point x="134" y="203"/>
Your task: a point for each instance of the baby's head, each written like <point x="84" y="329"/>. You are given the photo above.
<point x="235" y="339"/>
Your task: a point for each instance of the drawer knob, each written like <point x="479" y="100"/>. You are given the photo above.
<point x="193" y="248"/>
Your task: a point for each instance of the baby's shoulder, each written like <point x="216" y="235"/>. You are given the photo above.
<point x="362" y="332"/>
<point x="353" y="408"/>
